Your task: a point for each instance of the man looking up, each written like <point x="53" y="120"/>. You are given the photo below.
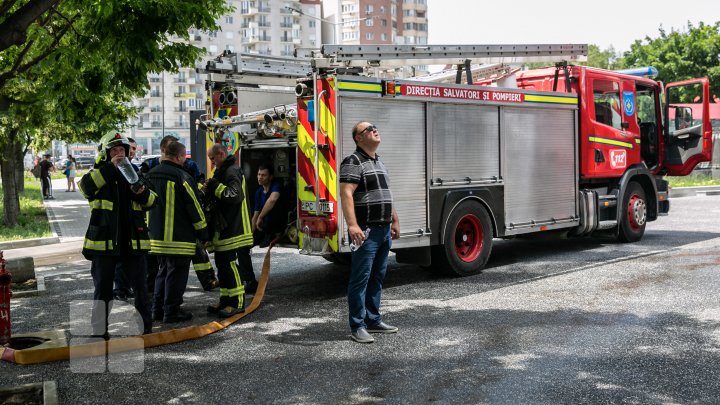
<point x="372" y="223"/>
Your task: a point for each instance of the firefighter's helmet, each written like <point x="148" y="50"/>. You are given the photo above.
<point x="109" y="141"/>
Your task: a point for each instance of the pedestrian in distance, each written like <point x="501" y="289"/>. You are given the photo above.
<point x="46" y="167"/>
<point x="176" y="223"/>
<point x="70" y="172"/>
<point x="372" y="223"/>
<point x="230" y="228"/>
<point x="117" y="232"/>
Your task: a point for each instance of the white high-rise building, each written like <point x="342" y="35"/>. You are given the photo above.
<point x="267" y="27"/>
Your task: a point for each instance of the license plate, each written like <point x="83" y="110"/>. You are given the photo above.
<point x="309" y="206"/>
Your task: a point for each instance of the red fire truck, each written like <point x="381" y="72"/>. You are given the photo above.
<point x="568" y="149"/>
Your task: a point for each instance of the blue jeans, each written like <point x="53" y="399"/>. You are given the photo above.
<point x="369" y="265"/>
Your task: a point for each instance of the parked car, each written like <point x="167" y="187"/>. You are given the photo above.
<point x="84" y="162"/>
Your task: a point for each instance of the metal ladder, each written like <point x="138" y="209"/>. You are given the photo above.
<point x="347" y="56"/>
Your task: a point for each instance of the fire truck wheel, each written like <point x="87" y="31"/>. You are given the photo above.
<point x="467" y="240"/>
<point x="634" y="213"/>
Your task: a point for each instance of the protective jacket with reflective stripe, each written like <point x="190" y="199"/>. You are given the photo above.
<point x="110" y="230"/>
<point x="177" y="220"/>
<point x="230" y="227"/>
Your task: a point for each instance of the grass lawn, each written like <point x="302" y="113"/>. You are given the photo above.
<point x="32" y="221"/>
<point x="692" y="181"/>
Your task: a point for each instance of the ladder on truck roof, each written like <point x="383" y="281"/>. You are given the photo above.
<point x="252" y="69"/>
<point x="347" y="56"/>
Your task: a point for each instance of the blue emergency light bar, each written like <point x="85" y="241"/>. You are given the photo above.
<point x="647" y="71"/>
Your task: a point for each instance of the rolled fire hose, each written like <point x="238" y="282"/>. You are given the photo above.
<point x="125" y="344"/>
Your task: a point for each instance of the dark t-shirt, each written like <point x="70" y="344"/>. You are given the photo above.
<point x="45" y="167"/>
<point x="261" y="198"/>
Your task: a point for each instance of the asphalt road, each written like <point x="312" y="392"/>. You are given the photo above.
<point x="549" y="321"/>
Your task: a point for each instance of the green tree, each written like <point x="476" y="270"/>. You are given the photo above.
<point x="68" y="68"/>
<point x="604" y="59"/>
<point x="680" y="55"/>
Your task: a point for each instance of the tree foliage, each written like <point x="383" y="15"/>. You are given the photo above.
<point x="680" y="55"/>
<point x="68" y="68"/>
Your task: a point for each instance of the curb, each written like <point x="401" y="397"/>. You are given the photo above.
<point x="694" y="191"/>
<point x="23" y="243"/>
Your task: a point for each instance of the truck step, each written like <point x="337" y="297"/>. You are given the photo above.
<point x="604" y="225"/>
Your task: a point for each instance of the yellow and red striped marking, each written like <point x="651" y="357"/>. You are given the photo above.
<point x="327" y="157"/>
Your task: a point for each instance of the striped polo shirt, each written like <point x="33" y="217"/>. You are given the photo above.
<point x="372" y="197"/>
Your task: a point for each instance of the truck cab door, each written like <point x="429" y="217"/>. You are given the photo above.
<point x="688" y="133"/>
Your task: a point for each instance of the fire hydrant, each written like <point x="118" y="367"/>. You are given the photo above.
<point x="5" y="293"/>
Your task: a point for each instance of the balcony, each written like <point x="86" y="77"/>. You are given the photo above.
<point x="182" y="124"/>
<point x="154" y="93"/>
<point x="155" y="124"/>
<point x="144" y="124"/>
<point x="155" y="79"/>
<point x="181" y="109"/>
<point x="249" y="11"/>
<point x="155" y="108"/>
<point x="180" y="80"/>
<point x="264" y="24"/>
<point x="264" y="9"/>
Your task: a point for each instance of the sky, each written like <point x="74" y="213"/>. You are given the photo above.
<point x="604" y="23"/>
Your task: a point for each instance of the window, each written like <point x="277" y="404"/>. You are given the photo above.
<point x="369" y="8"/>
<point x="311" y="24"/>
<point x="369" y="36"/>
<point x="382" y="9"/>
<point x="383" y="37"/>
<point x="383" y="23"/>
<point x="369" y="22"/>
<point x="212" y="49"/>
<point x="228" y="19"/>
<point x="606" y="98"/>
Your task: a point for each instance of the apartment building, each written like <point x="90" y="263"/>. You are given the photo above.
<point x="267" y="27"/>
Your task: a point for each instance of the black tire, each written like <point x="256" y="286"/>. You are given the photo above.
<point x="633" y="214"/>
<point x="342" y="259"/>
<point x="467" y="242"/>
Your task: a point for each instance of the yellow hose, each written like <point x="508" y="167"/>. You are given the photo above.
<point x="38" y="356"/>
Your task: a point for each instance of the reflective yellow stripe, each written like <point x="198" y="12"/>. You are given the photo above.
<point x="101" y="205"/>
<point x="535" y="98"/>
<point x="201" y="224"/>
<point x="236" y="273"/>
<point x="224" y="292"/>
<point x="144" y="244"/>
<point x="219" y="190"/>
<point x="136" y="206"/>
<point x="97" y="244"/>
<point x="362" y="87"/>
<point x="172" y="248"/>
<point x="247" y="227"/>
<point x="202" y="266"/>
<point x="169" y="210"/>
<point x="637" y="141"/>
<point x="610" y="142"/>
<point x="97" y="178"/>
<point x="151" y="200"/>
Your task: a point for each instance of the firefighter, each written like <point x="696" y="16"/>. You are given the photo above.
<point x="117" y="232"/>
<point x="201" y="260"/>
<point x="230" y="227"/>
<point x="176" y="223"/>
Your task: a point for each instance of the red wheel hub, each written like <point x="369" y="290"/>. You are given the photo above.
<point x="468" y="238"/>
<point x="636" y="212"/>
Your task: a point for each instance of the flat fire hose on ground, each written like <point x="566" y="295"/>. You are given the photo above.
<point x="38" y="356"/>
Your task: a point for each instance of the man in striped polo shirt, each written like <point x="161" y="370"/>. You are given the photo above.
<point x="372" y="223"/>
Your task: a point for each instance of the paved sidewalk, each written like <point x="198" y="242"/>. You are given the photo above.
<point x="68" y="213"/>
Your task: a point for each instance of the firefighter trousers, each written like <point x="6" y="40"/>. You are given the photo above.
<point x="247" y="274"/>
<point x="201" y="265"/>
<point x="232" y="291"/>
<point x="170" y="284"/>
<point x="103" y="273"/>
